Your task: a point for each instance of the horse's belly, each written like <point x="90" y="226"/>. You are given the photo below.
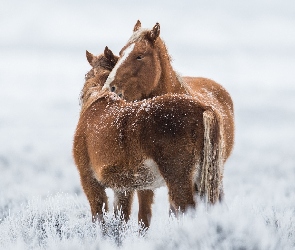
<point x="149" y="176"/>
<point x="144" y="176"/>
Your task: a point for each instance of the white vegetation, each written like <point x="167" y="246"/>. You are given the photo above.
<point x="248" y="48"/>
<point x="63" y="222"/>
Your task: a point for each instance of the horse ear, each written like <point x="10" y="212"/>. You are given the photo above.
<point x="89" y="57"/>
<point x="110" y="56"/>
<point x="154" y="33"/>
<point x="137" y="26"/>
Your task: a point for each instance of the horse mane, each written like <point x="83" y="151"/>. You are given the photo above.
<point x="138" y="35"/>
<point x="141" y="34"/>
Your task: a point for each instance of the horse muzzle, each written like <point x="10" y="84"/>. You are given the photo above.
<point x="115" y="90"/>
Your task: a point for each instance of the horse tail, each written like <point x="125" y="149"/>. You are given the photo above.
<point x="212" y="161"/>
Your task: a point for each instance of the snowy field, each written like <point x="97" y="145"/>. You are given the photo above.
<point x="247" y="46"/>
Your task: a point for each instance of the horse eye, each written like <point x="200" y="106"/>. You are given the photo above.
<point x="139" y="57"/>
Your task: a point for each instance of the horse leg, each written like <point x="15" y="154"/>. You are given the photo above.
<point x="180" y="190"/>
<point x="123" y="203"/>
<point x="145" y="201"/>
<point x="95" y="193"/>
<point x="181" y="196"/>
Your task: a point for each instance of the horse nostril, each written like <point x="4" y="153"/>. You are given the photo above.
<point x="113" y="89"/>
<point x="120" y="95"/>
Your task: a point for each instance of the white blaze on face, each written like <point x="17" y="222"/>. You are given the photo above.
<point x="112" y="75"/>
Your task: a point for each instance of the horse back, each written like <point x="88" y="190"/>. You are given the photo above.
<point x="173" y="127"/>
<point x="214" y="95"/>
<point x="111" y="135"/>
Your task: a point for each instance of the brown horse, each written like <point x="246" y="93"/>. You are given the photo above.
<point x="144" y="70"/>
<point x="94" y="80"/>
<point x="127" y="146"/>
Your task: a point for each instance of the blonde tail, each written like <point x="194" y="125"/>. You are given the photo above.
<point x="212" y="162"/>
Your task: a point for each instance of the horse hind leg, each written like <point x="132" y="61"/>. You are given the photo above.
<point x="181" y="196"/>
<point x="145" y="201"/>
<point x="180" y="188"/>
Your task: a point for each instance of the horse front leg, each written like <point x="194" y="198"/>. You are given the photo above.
<point x="95" y="193"/>
<point x="145" y="201"/>
<point x="123" y="202"/>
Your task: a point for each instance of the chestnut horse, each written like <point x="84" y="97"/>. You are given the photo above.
<point x="127" y="146"/>
<point x="144" y="70"/>
<point x="101" y="67"/>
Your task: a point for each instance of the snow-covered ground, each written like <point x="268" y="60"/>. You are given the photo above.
<point x="247" y="46"/>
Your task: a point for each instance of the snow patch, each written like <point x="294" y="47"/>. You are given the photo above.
<point x="158" y="180"/>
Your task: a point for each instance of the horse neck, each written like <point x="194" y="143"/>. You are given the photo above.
<point x="92" y="90"/>
<point x="100" y="100"/>
<point x="169" y="81"/>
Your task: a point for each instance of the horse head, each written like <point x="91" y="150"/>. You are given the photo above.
<point x="96" y="77"/>
<point x="104" y="61"/>
<point x="131" y="77"/>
